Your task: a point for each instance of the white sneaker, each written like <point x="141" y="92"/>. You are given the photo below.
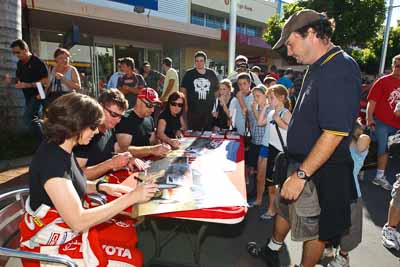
<point x="390" y="238"/>
<point x="339" y="261"/>
<point x="329" y="252"/>
<point x="382" y="182"/>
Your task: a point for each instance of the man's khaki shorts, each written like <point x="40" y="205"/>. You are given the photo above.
<point x="303" y="214"/>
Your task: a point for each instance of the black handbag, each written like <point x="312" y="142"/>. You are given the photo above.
<point x="247" y="134"/>
<point x="281" y="165"/>
<point x="53" y="95"/>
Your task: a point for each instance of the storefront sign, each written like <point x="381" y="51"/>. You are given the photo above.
<point x="72" y="37"/>
<point x="246" y="40"/>
<point x="149" y="4"/>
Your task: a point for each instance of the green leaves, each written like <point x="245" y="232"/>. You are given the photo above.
<point x="359" y="24"/>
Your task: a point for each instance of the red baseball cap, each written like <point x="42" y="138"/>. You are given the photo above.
<point x="149" y="94"/>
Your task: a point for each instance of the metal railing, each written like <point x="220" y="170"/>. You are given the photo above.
<point x="8" y="252"/>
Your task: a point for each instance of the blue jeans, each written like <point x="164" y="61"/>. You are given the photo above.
<point x="382" y="132"/>
<point x="32" y="118"/>
<point x="32" y="109"/>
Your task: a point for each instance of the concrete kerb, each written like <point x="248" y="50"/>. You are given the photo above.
<point x="6" y="165"/>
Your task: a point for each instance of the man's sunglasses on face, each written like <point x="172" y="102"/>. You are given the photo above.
<point x="148" y="104"/>
<point x="113" y="114"/>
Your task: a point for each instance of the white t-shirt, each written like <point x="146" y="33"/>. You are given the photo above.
<point x="170" y="75"/>
<point x="265" y="140"/>
<point x="273" y="134"/>
<point x="238" y="120"/>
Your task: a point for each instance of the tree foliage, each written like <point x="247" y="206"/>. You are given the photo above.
<point x="359" y="25"/>
<point x="369" y="57"/>
<point x="357" y="21"/>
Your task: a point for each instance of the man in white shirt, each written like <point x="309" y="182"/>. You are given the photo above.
<point x="171" y="80"/>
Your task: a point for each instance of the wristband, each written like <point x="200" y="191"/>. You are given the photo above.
<point x="98" y="186"/>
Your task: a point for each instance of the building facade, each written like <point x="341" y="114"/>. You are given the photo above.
<point x="100" y="31"/>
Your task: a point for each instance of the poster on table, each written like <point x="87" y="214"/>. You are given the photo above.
<point x="193" y="177"/>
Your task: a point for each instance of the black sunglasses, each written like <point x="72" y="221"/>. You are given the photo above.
<point x="148" y="104"/>
<point x="175" y="104"/>
<point x="113" y="114"/>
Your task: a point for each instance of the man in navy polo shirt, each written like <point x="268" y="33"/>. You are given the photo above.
<point x="314" y="202"/>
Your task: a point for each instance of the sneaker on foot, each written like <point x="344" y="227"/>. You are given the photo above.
<point x="390" y="238"/>
<point x="382" y="182"/>
<point x="271" y="257"/>
<point x="339" y="261"/>
<point x="329" y="252"/>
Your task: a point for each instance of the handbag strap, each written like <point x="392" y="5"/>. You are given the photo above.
<point x="281" y="139"/>
<point x="247" y="131"/>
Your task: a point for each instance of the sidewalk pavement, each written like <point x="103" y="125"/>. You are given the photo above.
<point x="10" y="169"/>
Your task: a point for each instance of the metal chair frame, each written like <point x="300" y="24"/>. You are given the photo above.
<point x="12" y="208"/>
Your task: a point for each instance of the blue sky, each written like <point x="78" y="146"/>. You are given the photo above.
<point x="396" y="12"/>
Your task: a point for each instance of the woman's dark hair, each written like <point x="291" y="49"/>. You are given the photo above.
<point x="113" y="96"/>
<point x="69" y="115"/>
<point x="324" y="28"/>
<point x="172" y="98"/>
<point x="60" y="51"/>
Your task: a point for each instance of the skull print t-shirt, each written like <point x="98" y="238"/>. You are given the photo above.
<point x="200" y="90"/>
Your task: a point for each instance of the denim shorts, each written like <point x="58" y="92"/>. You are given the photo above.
<point x="263" y="152"/>
<point x="382" y="132"/>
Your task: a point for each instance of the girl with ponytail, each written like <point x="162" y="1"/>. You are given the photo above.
<point x="280" y="116"/>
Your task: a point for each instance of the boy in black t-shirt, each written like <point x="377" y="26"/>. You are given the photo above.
<point x="199" y="85"/>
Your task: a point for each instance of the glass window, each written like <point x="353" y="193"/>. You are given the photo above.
<point x="241" y="28"/>
<point x="154" y="57"/>
<point x="105" y="65"/>
<point x="197" y="18"/>
<point x="251" y="31"/>
<point x="214" y="22"/>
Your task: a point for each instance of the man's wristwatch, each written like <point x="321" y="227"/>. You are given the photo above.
<point x="302" y="175"/>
